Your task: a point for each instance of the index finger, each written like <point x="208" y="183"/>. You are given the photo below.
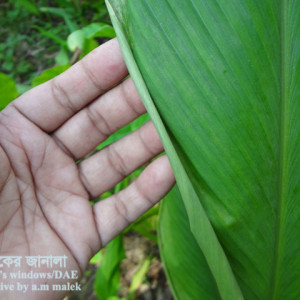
<point x="50" y="104"/>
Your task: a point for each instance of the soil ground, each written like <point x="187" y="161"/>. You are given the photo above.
<point x="137" y="248"/>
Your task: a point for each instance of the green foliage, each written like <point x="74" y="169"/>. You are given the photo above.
<point x="107" y="280"/>
<point x="8" y="90"/>
<point x="51" y="35"/>
<point x="137" y="123"/>
<point x="33" y="33"/>
<point x="49" y="74"/>
<point x="84" y="39"/>
<point x="77" y="38"/>
<point x="94" y="30"/>
<point x="225" y="82"/>
<point x="97" y="257"/>
<point x="65" y="12"/>
<point x="30" y="6"/>
<point x="146" y="224"/>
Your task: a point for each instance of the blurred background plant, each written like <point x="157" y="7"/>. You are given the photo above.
<point x="40" y="39"/>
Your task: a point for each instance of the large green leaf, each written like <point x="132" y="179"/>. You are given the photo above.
<point x="200" y="225"/>
<point x="225" y="77"/>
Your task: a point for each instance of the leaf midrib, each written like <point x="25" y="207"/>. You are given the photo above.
<point x="275" y="283"/>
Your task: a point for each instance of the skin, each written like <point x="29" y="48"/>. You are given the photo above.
<point x="45" y="195"/>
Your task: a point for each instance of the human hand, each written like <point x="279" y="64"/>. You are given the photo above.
<point x="44" y="195"/>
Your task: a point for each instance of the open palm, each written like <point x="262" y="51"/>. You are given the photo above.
<point x="45" y="192"/>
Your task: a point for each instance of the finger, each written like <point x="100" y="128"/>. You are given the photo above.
<point x="92" y="125"/>
<point x="52" y="103"/>
<point x="106" y="168"/>
<point x="116" y="212"/>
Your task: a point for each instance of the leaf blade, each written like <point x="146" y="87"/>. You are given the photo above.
<point x="229" y="57"/>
